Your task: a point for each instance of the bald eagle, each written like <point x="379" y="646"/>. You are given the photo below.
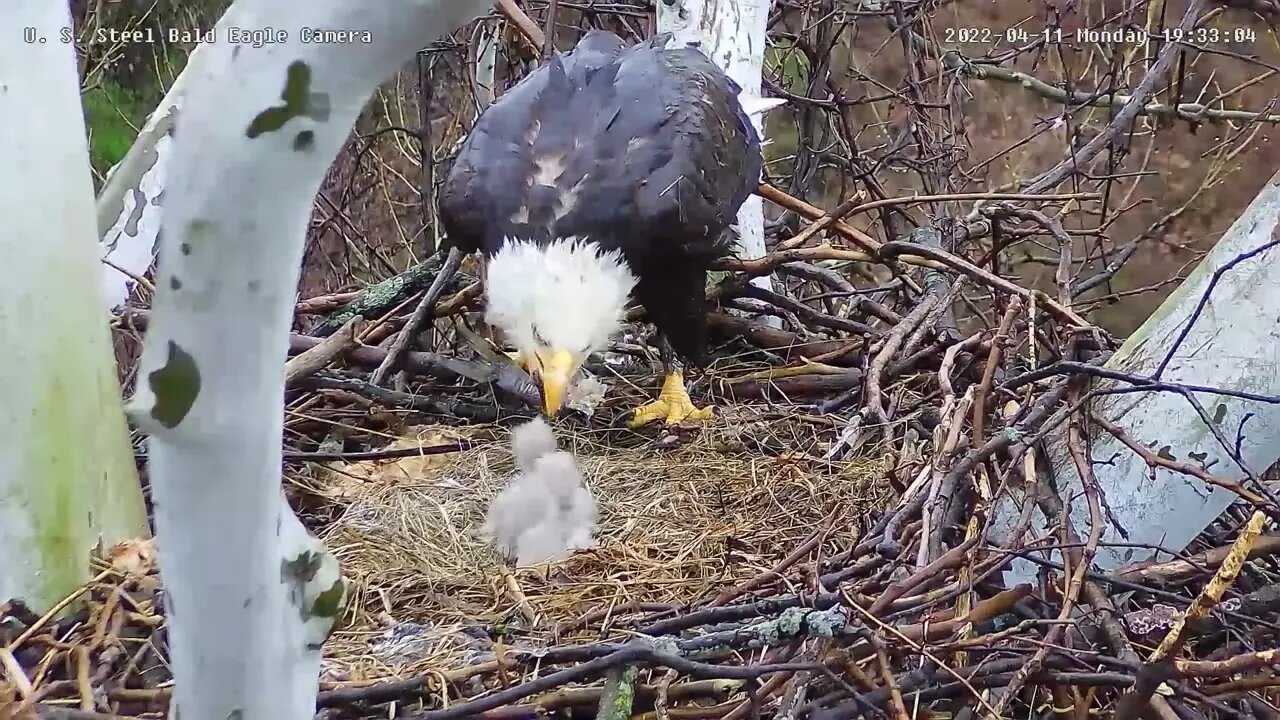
<point x="608" y="173"/>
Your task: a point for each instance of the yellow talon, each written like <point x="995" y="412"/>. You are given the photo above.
<point x="673" y="406"/>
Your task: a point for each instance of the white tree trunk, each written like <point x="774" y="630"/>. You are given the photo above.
<point x="68" y="483"/>
<point x="733" y="34"/>
<point x="1233" y="345"/>
<point x="487" y="64"/>
<point x="250" y="596"/>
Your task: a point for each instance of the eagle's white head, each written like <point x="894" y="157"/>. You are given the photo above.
<point x="558" y="302"/>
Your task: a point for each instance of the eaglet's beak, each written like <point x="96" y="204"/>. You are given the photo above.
<point x="556" y="369"/>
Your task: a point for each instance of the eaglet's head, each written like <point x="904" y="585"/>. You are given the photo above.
<point x="558" y="302"/>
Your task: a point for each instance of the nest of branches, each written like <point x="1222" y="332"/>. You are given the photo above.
<point x="674" y="526"/>
<point x="827" y="547"/>
<point x="824" y="548"/>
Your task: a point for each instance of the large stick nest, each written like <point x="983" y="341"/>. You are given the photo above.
<point x="674" y="526"/>
<point x="824" y="548"/>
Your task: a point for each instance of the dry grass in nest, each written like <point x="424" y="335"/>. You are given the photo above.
<point x="675" y="526"/>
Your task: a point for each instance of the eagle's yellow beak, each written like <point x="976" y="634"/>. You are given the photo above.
<point x="555" y="370"/>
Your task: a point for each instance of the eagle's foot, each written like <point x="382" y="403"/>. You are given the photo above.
<point x="673" y="406"/>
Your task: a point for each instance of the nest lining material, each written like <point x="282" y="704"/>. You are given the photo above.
<point x="674" y="527"/>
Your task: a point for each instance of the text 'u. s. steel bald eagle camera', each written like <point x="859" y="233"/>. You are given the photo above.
<point x="606" y="173"/>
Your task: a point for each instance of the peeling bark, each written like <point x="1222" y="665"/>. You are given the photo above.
<point x="130" y="204"/>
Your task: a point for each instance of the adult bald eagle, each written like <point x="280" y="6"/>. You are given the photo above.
<point x="607" y="172"/>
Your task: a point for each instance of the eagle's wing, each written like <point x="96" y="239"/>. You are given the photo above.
<point x="643" y="149"/>
<point x="676" y="145"/>
<point x="487" y="185"/>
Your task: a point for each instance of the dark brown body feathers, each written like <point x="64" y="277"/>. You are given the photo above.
<point x="644" y="150"/>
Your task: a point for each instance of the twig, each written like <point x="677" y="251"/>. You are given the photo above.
<point x="1202" y="563"/>
<point x="521" y="20"/>
<point x="1160" y="666"/>
<point x="315" y="358"/>
<point x="998" y="344"/>
<point x="420" y="314"/>
<point x="1155" y="460"/>
<point x="619" y="693"/>
<point x="897" y="248"/>
<point x="803" y="549"/>
<point x="1125" y="117"/>
<point x="1192" y="112"/>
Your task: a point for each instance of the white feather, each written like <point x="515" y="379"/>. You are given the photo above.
<point x="513" y="511"/>
<point x="755" y="105"/>
<point x="547" y="511"/>
<point x="564" y="295"/>
<point x="531" y="441"/>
